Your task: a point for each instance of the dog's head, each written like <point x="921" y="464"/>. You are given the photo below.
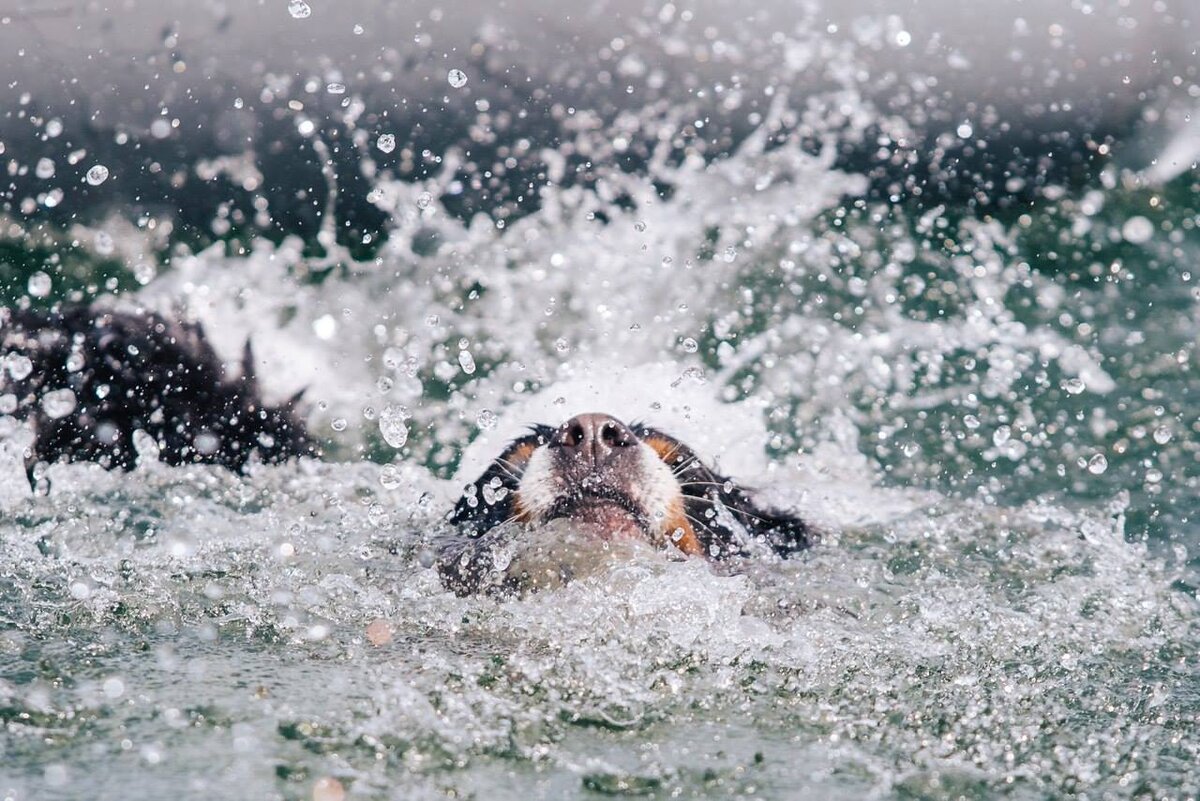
<point x="623" y="481"/>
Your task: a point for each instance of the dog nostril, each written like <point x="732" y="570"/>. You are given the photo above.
<point x="573" y="436"/>
<point x="612" y="435"/>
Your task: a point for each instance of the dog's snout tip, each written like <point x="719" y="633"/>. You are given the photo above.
<point x="592" y="435"/>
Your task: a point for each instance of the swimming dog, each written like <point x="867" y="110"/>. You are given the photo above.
<point x="88" y="378"/>
<point x="620" y="481"/>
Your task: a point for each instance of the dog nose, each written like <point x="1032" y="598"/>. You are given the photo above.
<point x="593" y="437"/>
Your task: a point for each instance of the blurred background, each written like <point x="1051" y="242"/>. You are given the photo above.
<point x="1001" y="196"/>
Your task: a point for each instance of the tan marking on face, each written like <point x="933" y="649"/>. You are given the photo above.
<point x="665" y="448"/>
<point x="689" y="543"/>
<point x="520" y="454"/>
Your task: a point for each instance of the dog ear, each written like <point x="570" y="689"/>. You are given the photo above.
<point x="488" y="501"/>
<point x="717" y="506"/>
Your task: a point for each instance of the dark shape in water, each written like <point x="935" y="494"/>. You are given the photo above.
<point x="137" y="370"/>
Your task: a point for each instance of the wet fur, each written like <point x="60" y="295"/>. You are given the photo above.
<point x="724" y="516"/>
<point x="134" y="371"/>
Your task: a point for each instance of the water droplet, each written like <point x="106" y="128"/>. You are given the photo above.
<point x="1162" y="435"/>
<point x="58" y="403"/>
<point x="338" y="424"/>
<point x="486" y="419"/>
<point x="1137" y="230"/>
<point x="206" y="443"/>
<point x="424" y="200"/>
<point x="457" y="78"/>
<point x="144" y="272"/>
<point x="386" y="142"/>
<point x="389" y="476"/>
<point x="299" y="9"/>
<point x="39" y="284"/>
<point x="466" y="361"/>
<point x="97" y="174"/>
<point x="1074" y="386"/>
<point x="689" y="345"/>
<point x="1097" y="464"/>
<point x="392" y="425"/>
<point x="325" y="327"/>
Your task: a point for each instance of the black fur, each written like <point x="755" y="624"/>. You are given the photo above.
<point x="488" y="500"/>
<point x="131" y="371"/>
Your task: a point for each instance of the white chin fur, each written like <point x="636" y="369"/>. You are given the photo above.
<point x="655" y="489"/>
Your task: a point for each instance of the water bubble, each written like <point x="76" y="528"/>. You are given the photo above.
<point x="18" y="364"/>
<point x="965" y="131"/>
<point x="58" y="403"/>
<point x="639" y="226"/>
<point x="466" y="361"/>
<point x="378" y="516"/>
<point x="971" y="421"/>
<point x="1097" y="464"/>
<point x="1074" y="386"/>
<point x="97" y="174"/>
<point x="1001" y="435"/>
<point x="389" y="476"/>
<point x="386" y="142"/>
<point x="1154" y="475"/>
<point x="206" y="443"/>
<point x="457" y="78"/>
<point x="561" y="345"/>
<point x="44" y="169"/>
<point x="1137" y="230"/>
<point x="80" y="590"/>
<point x="392" y="425"/>
<point x="39" y="284"/>
<point x="358" y="30"/>
<point x="335" y="88"/>
<point x="1162" y="435"/>
<point x="113" y="687"/>
<point x="299" y="9"/>
<point x="384" y="384"/>
<point x="104" y="243"/>
<point x="8" y="403"/>
<point x="486" y="419"/>
<point x="325" y="327"/>
<point x="338" y="424"/>
<point x="424" y="200"/>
